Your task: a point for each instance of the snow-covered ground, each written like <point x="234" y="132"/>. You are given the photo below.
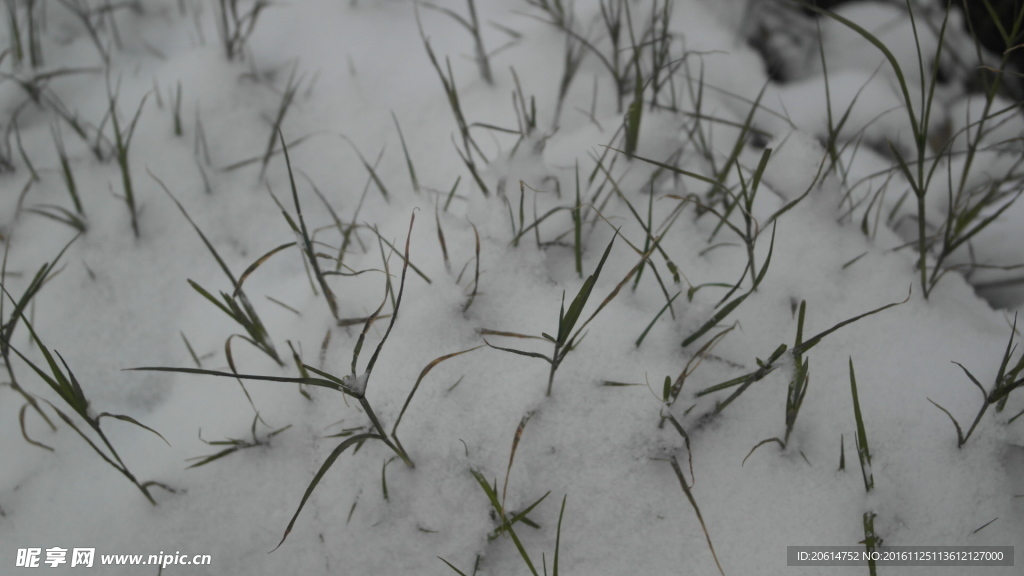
<point x="346" y="76"/>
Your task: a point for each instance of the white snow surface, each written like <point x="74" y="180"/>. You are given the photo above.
<point x="120" y="302"/>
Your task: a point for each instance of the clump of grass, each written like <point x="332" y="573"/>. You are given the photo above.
<point x="566" y="340"/>
<point x="509" y="518"/>
<point x="718" y="192"/>
<point x="522" y="228"/>
<point x="650" y="237"/>
<point x="751" y="228"/>
<point x="1008" y="378"/>
<point x="25" y="32"/>
<point x="663" y="63"/>
<point x="59" y="214"/>
<point x="236" y="22"/>
<point x="766" y="367"/>
<point x="122" y="145"/>
<point x="302" y="231"/>
<point x="472" y="25"/>
<point x="554" y="9"/>
<point x="45" y="273"/>
<point x="236" y="305"/>
<point x="835" y="127"/>
<point x="469" y="145"/>
<point x="634" y="113"/>
<point x="526" y="120"/>
<point x="35" y="85"/>
<point x="611" y="18"/>
<point x="626" y="73"/>
<point x="965" y="217"/>
<point x="93" y="20"/>
<point x="69" y="389"/>
<point x="748" y="234"/>
<point x="353" y="385"/>
<point x="797" y="388"/>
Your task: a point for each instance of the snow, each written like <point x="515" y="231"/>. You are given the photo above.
<point x="120" y="302"/>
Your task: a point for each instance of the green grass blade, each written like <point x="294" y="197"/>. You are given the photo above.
<point x="973" y="379"/>
<point x="457" y="571"/>
<point x="567" y="322"/>
<point x="762" y="443"/>
<point x="633" y="117"/>
<point x="767" y="261"/>
<point x="656" y="316"/>
<point x="426" y="370"/>
<point x="332" y="302"/>
<point x="693" y="503"/>
<point x="577" y="226"/>
<point x="961" y="440"/>
<point x="408" y="158"/>
<point x="202" y="236"/>
<point x="558" y="534"/>
<point x="725" y="385"/>
<point x="43" y="275"/>
<point x="807" y="345"/>
<point x="67" y="389"/>
<point x="211" y="298"/>
<point x="671" y="168"/>
<point x="131" y="420"/>
<point x="320" y="474"/>
<point x="324" y="383"/>
<point x="863" y="451"/>
<point x="714" y="320"/>
<point x="259" y="261"/>
<point x="519" y="352"/>
<point x="204" y="460"/>
<point x="398" y="300"/>
<point x="58" y="387"/>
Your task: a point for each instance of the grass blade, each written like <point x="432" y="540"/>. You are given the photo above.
<point x="863" y="451"/>
<point x="320" y="474"/>
<point x="567" y="323"/>
<point x="693" y="503"/>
